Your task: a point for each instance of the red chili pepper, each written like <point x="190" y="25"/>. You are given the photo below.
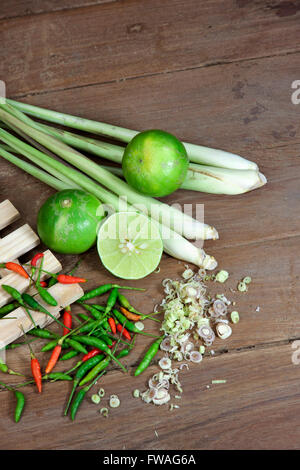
<point x="35" y="365"/>
<point x="36" y="372"/>
<point x="94" y="352"/>
<point x="110" y="347"/>
<point x="53" y="359"/>
<point x="112" y="325"/>
<point x="43" y="284"/>
<point x="16" y="268"/>
<point x="67" y="321"/>
<point x="66" y="279"/>
<point x="36" y="258"/>
<point x="124" y="332"/>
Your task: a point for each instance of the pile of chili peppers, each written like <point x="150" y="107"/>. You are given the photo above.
<point x="105" y="334"/>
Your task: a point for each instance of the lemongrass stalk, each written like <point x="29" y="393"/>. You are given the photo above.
<point x="196" y="153"/>
<point x="210" y="179"/>
<point x="202" y="178"/>
<point x="221" y="180"/>
<point x="35" y="158"/>
<point x="88" y="144"/>
<point x="207" y="179"/>
<point x="168" y="215"/>
<point x="34" y="171"/>
<point x="174" y="244"/>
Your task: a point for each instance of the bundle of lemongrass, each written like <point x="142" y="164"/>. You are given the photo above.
<point x="212" y="171"/>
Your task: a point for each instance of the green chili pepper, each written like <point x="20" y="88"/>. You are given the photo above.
<point x="20" y="405"/>
<point x="69" y="355"/>
<point x="126" y="304"/>
<point x="91" y="325"/>
<point x="100" y="344"/>
<point x="6" y="370"/>
<point x="101" y="366"/>
<point x="8" y="308"/>
<point x="145" y="362"/>
<point x="20" y="401"/>
<point x="17" y="345"/>
<point x="57" y="376"/>
<point x="83" y="317"/>
<point x="52" y="282"/>
<point x="51" y="345"/>
<point x="34" y="305"/>
<point x="46" y="296"/>
<point x="103" y="289"/>
<point x="81" y="372"/>
<point x="93" y="311"/>
<point x="16" y="295"/>
<point x="111" y="301"/>
<point x="76" y="345"/>
<point x="42" y="333"/>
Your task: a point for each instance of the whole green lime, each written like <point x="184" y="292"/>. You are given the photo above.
<point x="68" y="221"/>
<point x="155" y="163"/>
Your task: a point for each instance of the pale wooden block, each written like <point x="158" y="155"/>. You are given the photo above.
<point x="51" y="264"/>
<point x="17" y="243"/>
<point x="10" y="329"/>
<point x="8" y="214"/>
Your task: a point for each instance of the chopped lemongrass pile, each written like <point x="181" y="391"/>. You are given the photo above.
<point x="191" y="316"/>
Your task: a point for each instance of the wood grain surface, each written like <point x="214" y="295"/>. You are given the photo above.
<point x="214" y="73"/>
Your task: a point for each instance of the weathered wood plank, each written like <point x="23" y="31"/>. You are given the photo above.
<point x="48" y="53"/>
<point x="257" y="408"/>
<point x="14" y="8"/>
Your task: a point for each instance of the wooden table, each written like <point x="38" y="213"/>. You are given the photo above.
<point x="211" y="72"/>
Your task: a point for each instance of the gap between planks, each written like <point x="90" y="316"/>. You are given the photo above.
<point x="59" y="10"/>
<point x="155" y="74"/>
<point x="217" y="353"/>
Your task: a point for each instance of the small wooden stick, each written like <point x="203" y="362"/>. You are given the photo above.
<point x="10" y="327"/>
<point x="51" y="264"/>
<point x="18" y="243"/>
<point x="8" y="214"/>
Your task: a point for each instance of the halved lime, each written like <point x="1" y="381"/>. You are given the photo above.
<point x="129" y="245"/>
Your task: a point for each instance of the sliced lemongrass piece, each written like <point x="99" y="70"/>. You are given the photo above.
<point x="242" y="287"/>
<point x="165" y="363"/>
<point x="162" y="397"/>
<point x="139" y="325"/>
<point x="223" y="330"/>
<point x="114" y="401"/>
<point x="195" y="356"/>
<point x="219" y="307"/>
<point x="222" y="276"/>
<point x="235" y="318"/>
<point x="104" y="412"/>
<point x="136" y="393"/>
<point x="95" y="399"/>
<point x="165" y="345"/>
<point x="247" y="280"/>
<point x="101" y="392"/>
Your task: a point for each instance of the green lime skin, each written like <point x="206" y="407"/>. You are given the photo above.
<point x="155" y="163"/>
<point x="68" y="221"/>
